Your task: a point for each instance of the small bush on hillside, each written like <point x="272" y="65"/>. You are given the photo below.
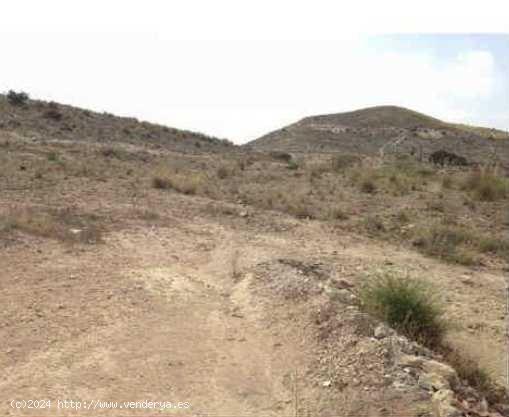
<point x="406" y="304"/>
<point x="338" y="214"/>
<point x="343" y="161"/>
<point x="450" y="243"/>
<point x="368" y="185"/>
<point x="185" y="183"/>
<point x="224" y="172"/>
<point x="53" y="114"/>
<point x="17" y="98"/>
<point x="469" y="370"/>
<point x="281" y="156"/>
<point x="52" y="156"/>
<point x="495" y="246"/>
<point x="487" y="186"/>
<point x="293" y="165"/>
<point x="62" y="224"/>
<point x="374" y="226"/>
<point x="109" y="152"/>
<point x="447" y="182"/>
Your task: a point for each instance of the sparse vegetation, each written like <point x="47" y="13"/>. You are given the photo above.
<point x="52" y="156"/>
<point x="367" y="185"/>
<point x="98" y="163"/>
<point x="53" y="114"/>
<point x="451" y="243"/>
<point x="341" y="162"/>
<point x="17" y="98"/>
<point x="281" y="156"/>
<point x="224" y="172"/>
<point x="486" y="185"/>
<point x="62" y="224"/>
<point x="293" y="165"/>
<point x="185" y="183"/>
<point x="406" y="304"/>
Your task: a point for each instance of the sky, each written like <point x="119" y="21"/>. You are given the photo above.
<point x="238" y="70"/>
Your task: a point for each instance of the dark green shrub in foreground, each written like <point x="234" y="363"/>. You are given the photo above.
<point x="407" y="305"/>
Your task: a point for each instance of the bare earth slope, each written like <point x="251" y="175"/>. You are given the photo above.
<point x="394" y="129"/>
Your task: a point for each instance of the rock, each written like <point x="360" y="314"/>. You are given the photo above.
<point x="243" y="213"/>
<point x="327" y="383"/>
<point x="342" y="295"/>
<point x="381" y="331"/>
<point x="441" y="369"/>
<point x="433" y="382"/>
<point x="399" y="386"/>
<point x="443" y="404"/>
<point x="75" y="231"/>
<point x="341" y="284"/>
<point x="411" y="361"/>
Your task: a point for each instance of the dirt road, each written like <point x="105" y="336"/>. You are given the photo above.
<point x="179" y="314"/>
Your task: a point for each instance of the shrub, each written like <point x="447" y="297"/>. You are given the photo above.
<point x="53" y="114"/>
<point x="293" y="165"/>
<point x="62" y="224"/>
<point x="408" y="305"/>
<point x="52" y="156"/>
<point x="17" y="98"/>
<point x="109" y="152"/>
<point x="469" y="370"/>
<point x="448" y="243"/>
<point x="341" y="162"/>
<point x="368" y="185"/>
<point x="374" y="225"/>
<point x="223" y="172"/>
<point x="338" y="214"/>
<point x="186" y="183"/>
<point x="494" y="245"/>
<point x="281" y="156"/>
<point x="487" y="186"/>
<point x="447" y="182"/>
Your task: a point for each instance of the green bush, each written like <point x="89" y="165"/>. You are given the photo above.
<point x="341" y="162"/>
<point x="293" y="165"/>
<point x="408" y="305"/>
<point x="17" y="99"/>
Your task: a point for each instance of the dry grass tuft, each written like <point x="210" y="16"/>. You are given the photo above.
<point x="63" y="224"/>
<point x="487" y="185"/>
<point x="186" y="183"/>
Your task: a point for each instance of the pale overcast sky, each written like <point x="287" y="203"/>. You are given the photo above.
<point x="245" y="72"/>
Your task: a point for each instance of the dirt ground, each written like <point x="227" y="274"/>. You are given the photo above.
<point x="188" y="308"/>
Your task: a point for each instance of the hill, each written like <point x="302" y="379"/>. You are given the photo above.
<point x="40" y="120"/>
<point x="386" y="129"/>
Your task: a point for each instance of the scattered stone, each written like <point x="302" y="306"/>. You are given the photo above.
<point x="442" y="402"/>
<point x="442" y="370"/>
<point x="433" y="382"/>
<point x="411" y="361"/>
<point x="341" y="284"/>
<point x="381" y="331"/>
